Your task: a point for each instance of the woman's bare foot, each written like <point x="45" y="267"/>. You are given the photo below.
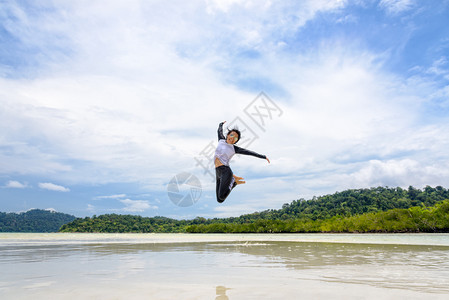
<point x="237" y="178"/>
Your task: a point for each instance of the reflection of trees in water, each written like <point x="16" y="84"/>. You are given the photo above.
<point x="298" y="255"/>
<point x="305" y="255"/>
<point x="388" y="266"/>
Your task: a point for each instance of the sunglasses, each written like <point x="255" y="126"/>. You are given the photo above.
<point x="234" y="136"/>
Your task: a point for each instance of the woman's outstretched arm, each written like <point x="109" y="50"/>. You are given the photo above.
<point x="220" y="131"/>
<point x="249" y="152"/>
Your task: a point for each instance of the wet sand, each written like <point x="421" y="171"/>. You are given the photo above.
<point x="183" y="266"/>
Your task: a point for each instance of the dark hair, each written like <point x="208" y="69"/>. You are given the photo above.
<point x="236" y="130"/>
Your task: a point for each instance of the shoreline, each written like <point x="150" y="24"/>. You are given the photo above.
<point x="418" y="239"/>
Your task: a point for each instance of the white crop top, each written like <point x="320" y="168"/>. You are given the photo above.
<point x="224" y="152"/>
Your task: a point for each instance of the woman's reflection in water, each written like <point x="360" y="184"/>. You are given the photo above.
<point x="221" y="293"/>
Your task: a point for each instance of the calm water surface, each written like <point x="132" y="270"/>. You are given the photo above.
<point x="183" y="266"/>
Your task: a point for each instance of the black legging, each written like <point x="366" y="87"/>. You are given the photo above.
<point x="224" y="178"/>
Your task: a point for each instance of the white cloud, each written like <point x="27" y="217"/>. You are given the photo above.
<point x="439" y="67"/>
<point x="111" y="196"/>
<point x="141" y="67"/>
<point x="403" y="173"/>
<point x="90" y="208"/>
<point x="15" y="185"/>
<point x="396" y="6"/>
<point x="53" y="187"/>
<point x="136" y="205"/>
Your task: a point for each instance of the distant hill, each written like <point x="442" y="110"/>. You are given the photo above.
<point x="35" y="220"/>
<point x="339" y="205"/>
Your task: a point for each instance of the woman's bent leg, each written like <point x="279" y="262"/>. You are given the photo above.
<point x="217" y="183"/>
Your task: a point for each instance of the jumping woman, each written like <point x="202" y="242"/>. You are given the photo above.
<point x="226" y="149"/>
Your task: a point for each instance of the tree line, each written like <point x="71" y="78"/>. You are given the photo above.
<point x="35" y="220"/>
<point x="358" y="207"/>
<point x="112" y="223"/>
<point x="414" y="219"/>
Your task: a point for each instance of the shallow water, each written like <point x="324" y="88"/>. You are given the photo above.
<point x="224" y="266"/>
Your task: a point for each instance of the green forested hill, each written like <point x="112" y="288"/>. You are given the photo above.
<point x="35" y="220"/>
<point x="334" y="208"/>
<point x="354" y="202"/>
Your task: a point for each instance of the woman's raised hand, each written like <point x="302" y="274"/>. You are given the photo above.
<point x="268" y="160"/>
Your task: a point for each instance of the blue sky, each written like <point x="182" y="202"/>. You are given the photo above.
<point x="103" y="103"/>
